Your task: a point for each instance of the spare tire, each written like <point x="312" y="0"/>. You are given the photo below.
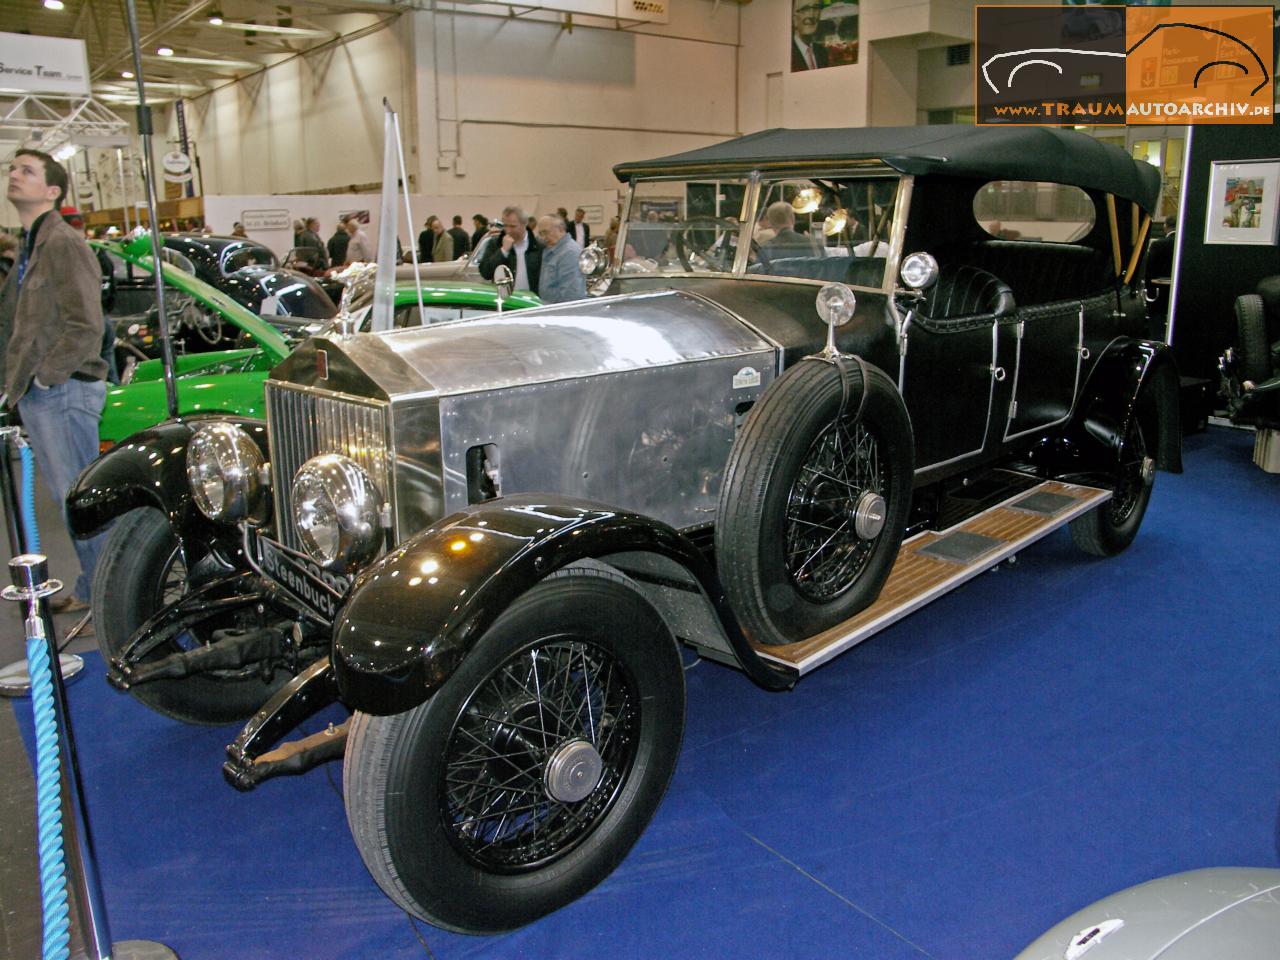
<point x="815" y="500"/>
<point x="1252" y="350"/>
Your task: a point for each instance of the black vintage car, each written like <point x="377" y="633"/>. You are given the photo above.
<point x="828" y="375"/>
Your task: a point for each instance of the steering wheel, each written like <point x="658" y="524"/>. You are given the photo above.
<point x="207" y="323"/>
<point x="713" y="240"/>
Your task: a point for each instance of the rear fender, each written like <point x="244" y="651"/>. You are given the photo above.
<point x="412" y="618"/>
<point x="1132" y="378"/>
<point x="149" y="469"/>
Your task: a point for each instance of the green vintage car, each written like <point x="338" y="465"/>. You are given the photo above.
<point x="231" y="381"/>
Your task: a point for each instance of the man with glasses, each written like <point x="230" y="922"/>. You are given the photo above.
<point x="805" y="54"/>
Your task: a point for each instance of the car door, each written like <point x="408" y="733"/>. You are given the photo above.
<point x="1050" y="341"/>
<point x="947" y="378"/>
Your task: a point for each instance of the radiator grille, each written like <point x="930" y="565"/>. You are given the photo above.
<point x="303" y="423"/>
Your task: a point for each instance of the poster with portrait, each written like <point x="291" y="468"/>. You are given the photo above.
<point x="824" y="33"/>
<point x="1242" y="202"/>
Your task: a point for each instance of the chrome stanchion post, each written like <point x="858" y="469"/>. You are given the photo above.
<point x="15" y="678"/>
<point x="31" y="584"/>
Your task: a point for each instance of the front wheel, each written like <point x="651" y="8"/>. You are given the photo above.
<point x="140" y="571"/>
<point x="530" y="774"/>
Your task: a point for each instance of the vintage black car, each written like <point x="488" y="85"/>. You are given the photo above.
<point x="820" y="385"/>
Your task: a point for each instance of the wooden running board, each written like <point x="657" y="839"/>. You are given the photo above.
<point x="918" y="578"/>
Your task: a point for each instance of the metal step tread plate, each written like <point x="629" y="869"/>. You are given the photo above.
<point x="918" y="577"/>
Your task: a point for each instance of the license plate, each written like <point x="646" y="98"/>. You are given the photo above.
<point x="318" y="589"/>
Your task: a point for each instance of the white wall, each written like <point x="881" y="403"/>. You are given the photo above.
<point x="525" y="104"/>
<point x="311" y="123"/>
<point x="831" y="97"/>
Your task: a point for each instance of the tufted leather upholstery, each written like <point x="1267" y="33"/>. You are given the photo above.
<point x="1040" y="272"/>
<point x="966" y="292"/>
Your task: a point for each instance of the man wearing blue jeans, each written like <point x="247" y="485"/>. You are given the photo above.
<point x="51" y="318"/>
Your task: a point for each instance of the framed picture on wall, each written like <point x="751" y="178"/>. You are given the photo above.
<point x="1242" y="202"/>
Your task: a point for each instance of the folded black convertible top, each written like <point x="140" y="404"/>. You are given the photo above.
<point x="995" y="153"/>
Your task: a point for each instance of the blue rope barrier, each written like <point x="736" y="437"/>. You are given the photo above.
<point x="53" y="877"/>
<point x="29" y="527"/>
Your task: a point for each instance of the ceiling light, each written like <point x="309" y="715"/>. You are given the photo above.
<point x="165" y="51"/>
<point x="53" y="4"/>
<point x="271" y="28"/>
<point x="67" y="150"/>
<point x="212" y="62"/>
<point x="127" y="74"/>
<point x="215" y="18"/>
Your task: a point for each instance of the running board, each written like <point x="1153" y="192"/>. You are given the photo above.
<point x="931" y="564"/>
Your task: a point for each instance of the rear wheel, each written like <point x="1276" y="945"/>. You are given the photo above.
<point x="1110" y="528"/>
<point x="140" y="571"/>
<point x="530" y="774"/>
<point x="815" y="501"/>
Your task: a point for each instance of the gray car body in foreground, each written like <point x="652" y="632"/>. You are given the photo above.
<point x="1232" y="913"/>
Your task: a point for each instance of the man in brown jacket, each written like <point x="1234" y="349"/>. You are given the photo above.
<point x="51" y="314"/>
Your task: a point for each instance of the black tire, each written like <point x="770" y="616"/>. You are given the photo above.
<point x="139" y="571"/>
<point x="777" y="502"/>
<point x="482" y="745"/>
<point x="1252" y="351"/>
<point x="1111" y="527"/>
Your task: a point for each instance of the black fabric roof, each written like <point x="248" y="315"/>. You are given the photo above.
<point x="995" y="153"/>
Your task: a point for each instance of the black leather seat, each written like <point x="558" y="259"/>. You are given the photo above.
<point x="966" y="291"/>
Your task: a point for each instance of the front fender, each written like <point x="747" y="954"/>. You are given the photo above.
<point x="149" y="469"/>
<point x="413" y="616"/>
<point x="1131" y="378"/>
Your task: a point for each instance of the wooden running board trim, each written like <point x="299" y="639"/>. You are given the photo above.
<point x="917" y="579"/>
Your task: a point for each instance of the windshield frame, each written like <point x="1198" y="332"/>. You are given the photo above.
<point x="756" y="182"/>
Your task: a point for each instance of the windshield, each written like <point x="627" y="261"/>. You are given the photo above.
<point x="684" y="226"/>
<point x="238" y="256"/>
<point x="831" y="229"/>
<point x="820" y="228"/>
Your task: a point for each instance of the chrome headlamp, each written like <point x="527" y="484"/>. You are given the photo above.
<point x="337" y="511"/>
<point x="919" y="271"/>
<point x="224" y="468"/>
<point x="592" y="261"/>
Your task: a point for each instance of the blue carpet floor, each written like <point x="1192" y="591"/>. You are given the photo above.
<point x="1052" y="732"/>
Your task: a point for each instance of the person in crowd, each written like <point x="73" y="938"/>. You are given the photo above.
<point x="649" y="238"/>
<point x="310" y="238"/>
<point x="579" y="229"/>
<point x="786" y="242"/>
<point x="560" y="279"/>
<point x="8" y="254"/>
<point x="51" y="323"/>
<point x="611" y="235"/>
<point x="482" y="227"/>
<point x="461" y="242"/>
<point x="805" y="54"/>
<point x="563" y="214"/>
<point x="441" y="241"/>
<point x="518" y="249"/>
<point x="359" y="247"/>
<point x="426" y="239"/>
<point x="298" y="227"/>
<point x="338" y="244"/>
<point x="238" y="230"/>
<point x="532" y="225"/>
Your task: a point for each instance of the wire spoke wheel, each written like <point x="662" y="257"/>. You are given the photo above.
<point x="560" y="707"/>
<point x="824" y="552"/>
<point x="1133" y="481"/>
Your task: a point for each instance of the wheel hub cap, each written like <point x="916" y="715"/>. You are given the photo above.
<point x="1148" y="470"/>
<point x="572" y="771"/>
<point x="868" y="515"/>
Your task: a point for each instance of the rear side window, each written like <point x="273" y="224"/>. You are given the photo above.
<point x="1034" y="210"/>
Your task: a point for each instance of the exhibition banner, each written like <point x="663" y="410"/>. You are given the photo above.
<point x="43" y="65"/>
<point x="1124" y="65"/>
